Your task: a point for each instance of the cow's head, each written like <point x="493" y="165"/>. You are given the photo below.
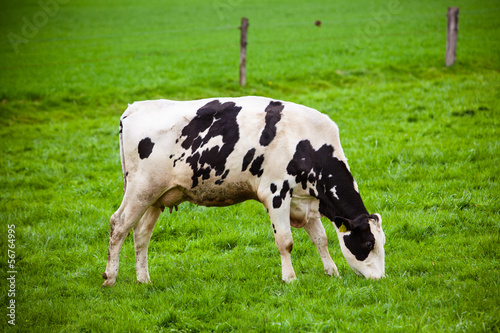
<point x="362" y="242"/>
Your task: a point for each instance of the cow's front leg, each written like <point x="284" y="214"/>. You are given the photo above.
<point x="142" y="235"/>
<point x="280" y="220"/>
<point x="317" y="233"/>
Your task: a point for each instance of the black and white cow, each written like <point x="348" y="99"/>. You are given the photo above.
<point x="220" y="152"/>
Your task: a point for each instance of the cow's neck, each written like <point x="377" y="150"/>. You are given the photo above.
<point x="328" y="179"/>
<point x="350" y="207"/>
<point x="340" y="197"/>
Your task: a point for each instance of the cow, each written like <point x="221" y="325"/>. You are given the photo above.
<point x="223" y="151"/>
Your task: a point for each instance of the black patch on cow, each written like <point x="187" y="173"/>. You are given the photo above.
<point x="221" y="180"/>
<point x="320" y="170"/>
<point x="256" y="168"/>
<point x="180" y="158"/>
<point x="277" y="202"/>
<point x="248" y="159"/>
<point x="285" y="189"/>
<point x="278" y="199"/>
<point x="273" y="188"/>
<point x="360" y="241"/>
<point x="311" y="178"/>
<point x="273" y="116"/>
<point x="220" y="120"/>
<point x="121" y="125"/>
<point x="255" y="164"/>
<point x="145" y="148"/>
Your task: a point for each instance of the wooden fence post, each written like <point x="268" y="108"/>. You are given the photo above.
<point x="451" y="36"/>
<point x="243" y="51"/>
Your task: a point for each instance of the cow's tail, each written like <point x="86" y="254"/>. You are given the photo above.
<point x="122" y="157"/>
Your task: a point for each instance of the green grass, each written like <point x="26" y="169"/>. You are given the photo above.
<point x="422" y="142"/>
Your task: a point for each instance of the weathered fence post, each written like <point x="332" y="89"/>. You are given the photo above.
<point x="451" y="36"/>
<point x="243" y="51"/>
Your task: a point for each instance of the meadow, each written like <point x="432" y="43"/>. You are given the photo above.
<point x="422" y="140"/>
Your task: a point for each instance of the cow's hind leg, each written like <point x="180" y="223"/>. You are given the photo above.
<point x="317" y="233"/>
<point x="122" y="222"/>
<point x="142" y="236"/>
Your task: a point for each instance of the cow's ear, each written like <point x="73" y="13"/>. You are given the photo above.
<point x="342" y="224"/>
<point x="376" y="219"/>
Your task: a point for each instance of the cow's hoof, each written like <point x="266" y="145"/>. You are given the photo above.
<point x="289" y="279"/>
<point x="332" y="272"/>
<point x="108" y="283"/>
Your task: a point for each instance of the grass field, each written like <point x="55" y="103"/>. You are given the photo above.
<point x="422" y="140"/>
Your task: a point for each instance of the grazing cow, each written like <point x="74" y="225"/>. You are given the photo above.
<point x="222" y="151"/>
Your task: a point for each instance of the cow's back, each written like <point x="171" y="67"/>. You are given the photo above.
<point x="296" y="121"/>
